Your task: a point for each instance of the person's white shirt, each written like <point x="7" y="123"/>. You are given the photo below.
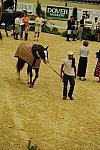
<point x="17" y="21"/>
<point x="68" y="67"/>
<point x="39" y="21"/>
<point x="84" y="51"/>
<point x="21" y="21"/>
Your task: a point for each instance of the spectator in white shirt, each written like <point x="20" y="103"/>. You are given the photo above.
<point x="38" y="25"/>
<point x="17" y="28"/>
<point x="21" y="26"/>
<point x="82" y="65"/>
<point x="68" y="73"/>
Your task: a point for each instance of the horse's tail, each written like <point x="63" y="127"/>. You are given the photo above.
<point x="20" y="64"/>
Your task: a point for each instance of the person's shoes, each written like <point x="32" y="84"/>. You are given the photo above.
<point x="70" y="97"/>
<point x="79" y="78"/>
<point x="64" y="97"/>
<point x="83" y="79"/>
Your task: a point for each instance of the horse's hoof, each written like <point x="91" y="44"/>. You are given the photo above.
<point x="31" y="86"/>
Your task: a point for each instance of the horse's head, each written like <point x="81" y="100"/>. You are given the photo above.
<point x="44" y="55"/>
<point x="40" y="52"/>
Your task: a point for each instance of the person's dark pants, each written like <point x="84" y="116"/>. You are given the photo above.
<point x="16" y="36"/>
<point x="74" y="36"/>
<point x="26" y="36"/>
<point x="68" y="36"/>
<point x="71" y="80"/>
<point x="82" y="66"/>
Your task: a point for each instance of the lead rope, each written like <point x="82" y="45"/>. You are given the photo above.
<point x="50" y="66"/>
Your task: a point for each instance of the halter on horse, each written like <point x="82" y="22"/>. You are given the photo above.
<point x="32" y="55"/>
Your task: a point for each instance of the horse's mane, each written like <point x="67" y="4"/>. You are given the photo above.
<point x="36" y="47"/>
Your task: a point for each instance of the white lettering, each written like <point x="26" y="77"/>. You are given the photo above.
<point x="57" y="11"/>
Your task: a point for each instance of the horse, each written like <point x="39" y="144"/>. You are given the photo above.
<point x="32" y="55"/>
<point x="8" y="17"/>
<point x="9" y="20"/>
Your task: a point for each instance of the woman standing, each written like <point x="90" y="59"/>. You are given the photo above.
<point x="97" y="68"/>
<point x="83" y="51"/>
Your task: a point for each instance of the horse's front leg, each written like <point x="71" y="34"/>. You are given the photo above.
<point x="36" y="75"/>
<point x="29" y="74"/>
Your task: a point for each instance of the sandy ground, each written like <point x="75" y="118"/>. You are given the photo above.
<point x="40" y="114"/>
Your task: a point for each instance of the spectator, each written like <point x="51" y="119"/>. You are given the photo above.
<point x="83" y="51"/>
<point x="97" y="68"/>
<point x="17" y="28"/>
<point x="98" y="32"/>
<point x="94" y="25"/>
<point x="71" y="28"/>
<point x="81" y="28"/>
<point x="26" y="25"/>
<point x="38" y="25"/>
<point x="25" y="19"/>
<point x="21" y="26"/>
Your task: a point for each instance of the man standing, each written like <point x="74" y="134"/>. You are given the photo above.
<point x="71" y="28"/>
<point x="81" y="28"/>
<point x="68" y="73"/>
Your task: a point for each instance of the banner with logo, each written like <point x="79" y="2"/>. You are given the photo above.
<point x="57" y="12"/>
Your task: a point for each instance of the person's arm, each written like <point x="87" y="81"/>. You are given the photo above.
<point x="61" y="71"/>
<point x="87" y="51"/>
<point x="74" y="66"/>
<point x="75" y="70"/>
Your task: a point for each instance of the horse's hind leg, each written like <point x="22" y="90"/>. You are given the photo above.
<point x="36" y="75"/>
<point x="19" y="66"/>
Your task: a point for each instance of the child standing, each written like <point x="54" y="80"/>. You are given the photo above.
<point x="82" y="65"/>
<point x="68" y="73"/>
<point x="97" y="68"/>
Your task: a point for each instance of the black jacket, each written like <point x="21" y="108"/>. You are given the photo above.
<point x="71" y="25"/>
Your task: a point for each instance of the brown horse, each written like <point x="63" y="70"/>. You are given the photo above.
<point x="32" y="55"/>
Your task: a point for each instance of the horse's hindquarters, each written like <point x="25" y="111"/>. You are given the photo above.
<point x="20" y="64"/>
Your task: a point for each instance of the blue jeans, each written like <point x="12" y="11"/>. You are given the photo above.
<point x="71" y="80"/>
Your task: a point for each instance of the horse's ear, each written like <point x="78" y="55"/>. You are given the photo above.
<point x="47" y="47"/>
